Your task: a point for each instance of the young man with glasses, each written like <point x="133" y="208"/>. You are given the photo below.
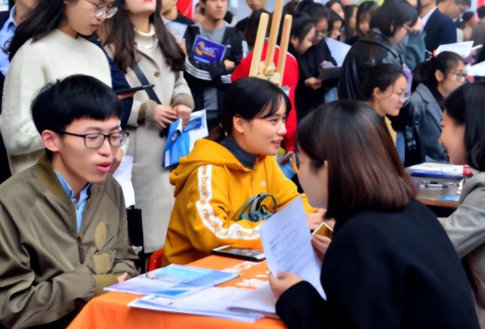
<point x="63" y="227"/>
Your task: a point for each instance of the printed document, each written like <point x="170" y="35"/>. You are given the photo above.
<point x="287" y="245"/>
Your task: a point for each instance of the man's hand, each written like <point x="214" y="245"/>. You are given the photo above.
<point x="183" y="112"/>
<point x="283" y="282"/>
<point x="164" y="115"/>
<point x="116" y="160"/>
<point x="229" y="64"/>
<point x="123" y="277"/>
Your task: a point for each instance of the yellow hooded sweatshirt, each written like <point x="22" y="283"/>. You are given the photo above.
<point x="211" y="187"/>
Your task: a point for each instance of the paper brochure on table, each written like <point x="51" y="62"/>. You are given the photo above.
<point x="287" y="244"/>
<point x="173" y="281"/>
<point x="260" y="300"/>
<point x="210" y="302"/>
<point x="437" y="170"/>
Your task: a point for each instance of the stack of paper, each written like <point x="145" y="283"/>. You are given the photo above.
<point x="464" y="49"/>
<point x="210" y="302"/>
<point x="174" y="281"/>
<point x="437" y="170"/>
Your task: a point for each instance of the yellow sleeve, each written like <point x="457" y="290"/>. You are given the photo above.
<point x="209" y="222"/>
<point x="284" y="190"/>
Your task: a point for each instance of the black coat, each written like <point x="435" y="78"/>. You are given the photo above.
<point x="440" y="30"/>
<point x="370" y="50"/>
<point x="386" y="270"/>
<point x="307" y="99"/>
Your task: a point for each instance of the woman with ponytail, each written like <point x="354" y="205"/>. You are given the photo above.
<point x="437" y="79"/>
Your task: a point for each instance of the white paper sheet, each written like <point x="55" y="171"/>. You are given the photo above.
<point x="260" y="300"/>
<point x="338" y="50"/>
<point x="210" y="302"/>
<point x="122" y="174"/>
<point x="287" y="245"/>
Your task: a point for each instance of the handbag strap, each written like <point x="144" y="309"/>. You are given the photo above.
<point x="143" y="79"/>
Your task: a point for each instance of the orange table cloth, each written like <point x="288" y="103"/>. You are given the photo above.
<point x="111" y="311"/>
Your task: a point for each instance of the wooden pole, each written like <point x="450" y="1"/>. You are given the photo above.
<point x="273" y="35"/>
<point x="285" y="39"/>
<point x="258" y="45"/>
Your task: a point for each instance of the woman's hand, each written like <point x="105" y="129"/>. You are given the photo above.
<point x="315" y="218"/>
<point x="320" y="243"/>
<point x="164" y="115"/>
<point x="183" y="112"/>
<point x="283" y="282"/>
<point x="313" y="83"/>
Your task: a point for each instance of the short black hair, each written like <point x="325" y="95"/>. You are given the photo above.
<point x="251" y="98"/>
<point x="394" y="13"/>
<point x="76" y="97"/>
<point x="465" y="107"/>
<point x="316" y="10"/>
<point x="301" y="25"/>
<point x="381" y="76"/>
<point x="481" y="12"/>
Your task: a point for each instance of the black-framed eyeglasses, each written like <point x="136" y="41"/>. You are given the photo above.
<point x="103" y="10"/>
<point x="295" y="162"/>
<point x="96" y="140"/>
<point x="320" y="34"/>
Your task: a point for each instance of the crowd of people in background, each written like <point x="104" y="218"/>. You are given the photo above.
<point x="68" y="124"/>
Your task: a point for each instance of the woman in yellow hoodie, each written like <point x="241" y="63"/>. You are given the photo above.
<point x="217" y="178"/>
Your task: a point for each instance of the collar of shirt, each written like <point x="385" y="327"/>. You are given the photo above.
<point x="10" y="24"/>
<point x="80" y="204"/>
<point x="428" y="15"/>
<point x="7" y="32"/>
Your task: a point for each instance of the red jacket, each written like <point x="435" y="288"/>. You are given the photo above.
<point x="290" y="79"/>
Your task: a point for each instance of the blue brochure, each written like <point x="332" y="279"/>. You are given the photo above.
<point x="181" y="142"/>
<point x="208" y="51"/>
<point x="173" y="281"/>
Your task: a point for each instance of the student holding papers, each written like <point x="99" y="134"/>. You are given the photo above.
<point x="463" y="137"/>
<point x="390" y="264"/>
<point x="217" y="178"/>
<point x="143" y="48"/>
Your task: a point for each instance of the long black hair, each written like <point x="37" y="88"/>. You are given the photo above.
<point x="444" y="62"/>
<point x="47" y="16"/>
<point x="465" y="107"/>
<point x="119" y="33"/>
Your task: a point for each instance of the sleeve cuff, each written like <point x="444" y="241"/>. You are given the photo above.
<point x="184" y="99"/>
<point x="301" y="306"/>
<point x="104" y="280"/>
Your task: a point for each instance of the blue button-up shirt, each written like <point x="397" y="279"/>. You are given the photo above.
<point x="6" y="34"/>
<point x="79" y="204"/>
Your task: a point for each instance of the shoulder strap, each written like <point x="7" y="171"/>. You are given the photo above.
<point x="143" y="80"/>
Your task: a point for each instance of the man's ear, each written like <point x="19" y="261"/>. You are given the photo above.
<point x="51" y="140"/>
<point x="238" y="124"/>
